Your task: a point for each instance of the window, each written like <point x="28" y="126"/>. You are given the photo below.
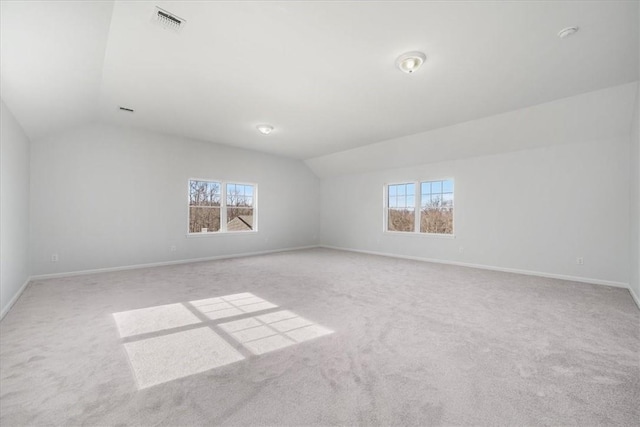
<point x="435" y="201"/>
<point x="436" y="207"/>
<point x="401" y="213"/>
<point x="239" y="207"/>
<point x="216" y="206"/>
<point x="204" y="206"/>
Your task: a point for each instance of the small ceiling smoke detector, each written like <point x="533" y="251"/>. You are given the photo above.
<point x="566" y="32"/>
<point x="409" y="62"/>
<point x="264" y="129"/>
<point x="167" y="20"/>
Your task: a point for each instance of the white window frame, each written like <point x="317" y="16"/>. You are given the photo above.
<point x="223" y="207"/>
<point x="417" y="208"/>
<point x="386" y="206"/>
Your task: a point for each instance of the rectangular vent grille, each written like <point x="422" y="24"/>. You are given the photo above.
<point x="168" y="20"/>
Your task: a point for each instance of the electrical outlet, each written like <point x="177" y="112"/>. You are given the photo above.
<point x="54" y="257"/>
<point x="580" y="260"/>
<point x="173" y="248"/>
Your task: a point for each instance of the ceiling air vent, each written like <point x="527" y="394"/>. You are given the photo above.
<point x="128" y="110"/>
<point x="168" y="20"/>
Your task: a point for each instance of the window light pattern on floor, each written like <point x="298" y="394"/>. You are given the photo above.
<point x="153" y="319"/>
<point x="169" y="357"/>
<point x="273" y="331"/>
<point x="172" y="341"/>
<point x="231" y="305"/>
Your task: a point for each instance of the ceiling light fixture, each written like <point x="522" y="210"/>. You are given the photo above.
<point x="264" y="129"/>
<point x="409" y="62"/>
<point x="566" y="32"/>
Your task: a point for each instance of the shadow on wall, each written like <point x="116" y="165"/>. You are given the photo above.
<point x="172" y="341"/>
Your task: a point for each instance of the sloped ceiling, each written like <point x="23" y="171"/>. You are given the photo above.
<point x="322" y="73"/>
<point x="51" y="56"/>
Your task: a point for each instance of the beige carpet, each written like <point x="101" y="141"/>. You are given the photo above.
<point x="319" y="337"/>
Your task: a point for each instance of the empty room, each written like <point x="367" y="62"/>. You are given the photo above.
<point x="328" y="213"/>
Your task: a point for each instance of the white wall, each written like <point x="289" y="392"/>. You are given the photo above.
<point x="594" y="115"/>
<point x="536" y="209"/>
<point x="14" y="209"/>
<point x="105" y="197"/>
<point x="634" y="211"/>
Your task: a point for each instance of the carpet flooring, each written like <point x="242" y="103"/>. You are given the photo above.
<point x="323" y="337"/>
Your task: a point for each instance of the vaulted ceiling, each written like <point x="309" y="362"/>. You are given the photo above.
<point x="322" y="73"/>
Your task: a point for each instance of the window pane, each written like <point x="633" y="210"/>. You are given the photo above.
<point x="392" y="190"/>
<point x="204" y="193"/>
<point x="411" y="189"/>
<point x="425" y="199"/>
<point x="401" y="220"/>
<point x="236" y="194"/>
<point x="393" y="202"/>
<point x="436" y="187"/>
<point x="447" y="199"/>
<point x="426" y="187"/>
<point x="447" y="186"/>
<point x="239" y="219"/>
<point x="439" y="221"/>
<point x="232" y="194"/>
<point x="204" y="219"/>
<point x="401" y="190"/>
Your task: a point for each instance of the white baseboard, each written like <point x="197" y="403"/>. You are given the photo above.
<point x="15" y="298"/>
<point x="489" y="267"/>
<point x="164" y="263"/>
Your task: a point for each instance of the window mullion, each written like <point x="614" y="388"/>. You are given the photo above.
<point x="223" y="208"/>
<point x="417" y="202"/>
<point x="385" y="213"/>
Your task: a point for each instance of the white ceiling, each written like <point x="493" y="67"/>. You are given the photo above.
<point x="322" y="73"/>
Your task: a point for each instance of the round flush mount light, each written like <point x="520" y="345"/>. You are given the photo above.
<point x="409" y="62"/>
<point x="264" y="129"/>
<point x="566" y="32"/>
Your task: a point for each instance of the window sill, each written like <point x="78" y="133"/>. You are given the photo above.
<point x="219" y="233"/>
<point x="414" y="234"/>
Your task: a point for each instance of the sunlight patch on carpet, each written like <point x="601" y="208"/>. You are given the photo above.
<point x="273" y="331"/>
<point x="153" y="319"/>
<point x="169" y="357"/>
<point x="308" y="333"/>
<point x="231" y="305"/>
<point x="169" y="354"/>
